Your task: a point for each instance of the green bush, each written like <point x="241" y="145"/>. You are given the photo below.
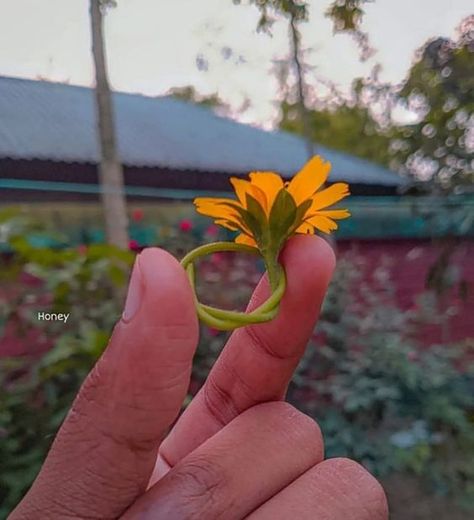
<point x="36" y="392"/>
<point x="380" y="395"/>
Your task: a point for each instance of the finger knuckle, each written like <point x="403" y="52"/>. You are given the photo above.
<point x="219" y="402"/>
<point x="201" y="482"/>
<point x="362" y="485"/>
<point x="261" y="342"/>
<point x="288" y="417"/>
<point x="294" y="425"/>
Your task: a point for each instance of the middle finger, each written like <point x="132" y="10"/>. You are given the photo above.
<point x="257" y="362"/>
<point x="259" y="453"/>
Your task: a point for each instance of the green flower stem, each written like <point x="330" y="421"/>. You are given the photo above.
<point x="229" y="320"/>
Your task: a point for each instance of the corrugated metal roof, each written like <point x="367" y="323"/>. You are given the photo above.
<point x="54" y="121"/>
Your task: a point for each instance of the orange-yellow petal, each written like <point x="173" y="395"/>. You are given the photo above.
<point x="218" y="208"/>
<point x="264" y="187"/>
<point x="228" y="224"/>
<point x="245" y="240"/>
<point x="310" y="178"/>
<point x="270" y="183"/>
<point x="243" y="188"/>
<point x="305" y="228"/>
<point x="213" y="200"/>
<point x="335" y="213"/>
<point x="324" y="224"/>
<point x="328" y="196"/>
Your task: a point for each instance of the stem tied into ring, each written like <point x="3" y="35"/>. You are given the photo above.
<point x="229" y="320"/>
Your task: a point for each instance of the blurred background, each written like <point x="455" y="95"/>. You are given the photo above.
<point x="115" y="115"/>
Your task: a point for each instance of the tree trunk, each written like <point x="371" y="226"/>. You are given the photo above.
<point x="303" y="114"/>
<point x="303" y="111"/>
<point x="110" y="168"/>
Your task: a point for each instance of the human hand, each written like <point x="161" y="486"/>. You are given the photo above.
<point x="228" y="456"/>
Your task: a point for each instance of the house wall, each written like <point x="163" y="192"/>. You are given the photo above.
<point x="86" y="173"/>
<point x="408" y="263"/>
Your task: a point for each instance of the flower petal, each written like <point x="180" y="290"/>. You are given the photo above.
<point x="200" y="201"/>
<point x="216" y="207"/>
<point x="334" y="213"/>
<point x="228" y="224"/>
<point x="243" y="188"/>
<point x="305" y="228"/>
<point x="270" y="183"/>
<point x="310" y="178"/>
<point x="220" y="209"/>
<point x="267" y="210"/>
<point x="328" y="196"/>
<point x="324" y="224"/>
<point x="246" y="240"/>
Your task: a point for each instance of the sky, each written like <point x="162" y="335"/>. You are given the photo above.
<point x="154" y="45"/>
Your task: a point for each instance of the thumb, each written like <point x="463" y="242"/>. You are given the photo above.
<point x="104" y="453"/>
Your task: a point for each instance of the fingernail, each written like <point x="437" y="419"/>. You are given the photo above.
<point x="135" y="293"/>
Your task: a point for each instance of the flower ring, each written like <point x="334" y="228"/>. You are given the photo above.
<point x="266" y="213"/>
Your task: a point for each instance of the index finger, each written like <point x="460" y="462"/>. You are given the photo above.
<point x="257" y="363"/>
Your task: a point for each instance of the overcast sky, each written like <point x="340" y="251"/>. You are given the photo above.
<point x="153" y="45"/>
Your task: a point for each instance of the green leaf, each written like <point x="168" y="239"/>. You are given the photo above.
<point x="257" y="221"/>
<point x="300" y="213"/>
<point x="241" y="214"/>
<point x="282" y="217"/>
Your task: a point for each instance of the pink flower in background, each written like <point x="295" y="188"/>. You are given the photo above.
<point x="213" y="332"/>
<point x="30" y="279"/>
<point x="212" y="230"/>
<point x="82" y="249"/>
<point x="186" y="225"/>
<point x="133" y="245"/>
<point x="217" y="258"/>
<point x="137" y="215"/>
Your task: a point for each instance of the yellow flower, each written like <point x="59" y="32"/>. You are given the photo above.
<point x="268" y="211"/>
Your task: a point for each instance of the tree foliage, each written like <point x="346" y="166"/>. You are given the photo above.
<point x="437" y="150"/>
<point x="270" y="10"/>
<point x="439" y="88"/>
<point x="349" y="126"/>
<point x="191" y="94"/>
<point x="346" y="14"/>
<point x="347" y="17"/>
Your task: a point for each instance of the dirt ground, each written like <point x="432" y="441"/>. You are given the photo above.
<point x="409" y="500"/>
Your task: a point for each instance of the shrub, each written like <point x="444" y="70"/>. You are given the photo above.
<point x="380" y="395"/>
